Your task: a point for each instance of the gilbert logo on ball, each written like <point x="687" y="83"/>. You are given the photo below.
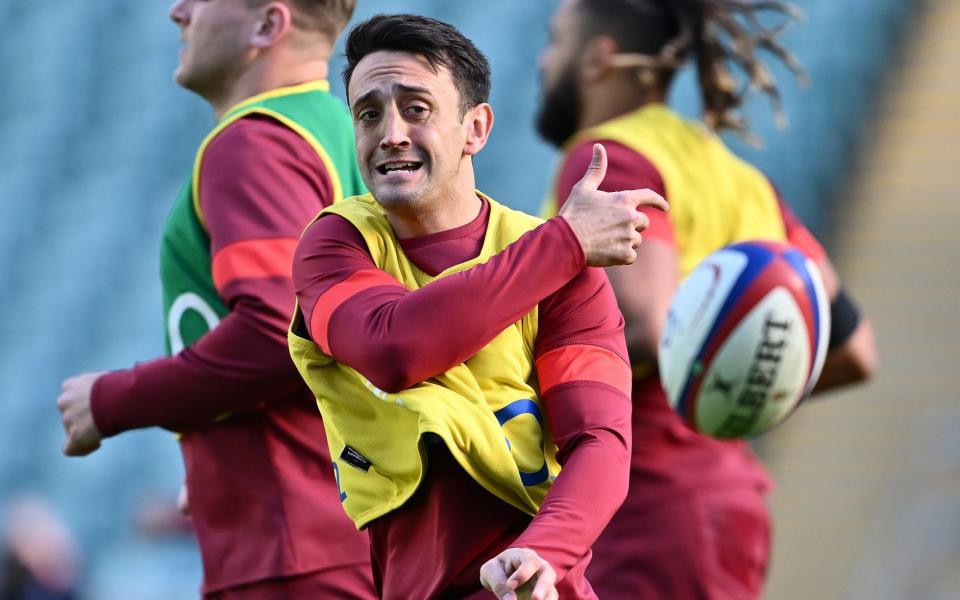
<point x="745" y="340"/>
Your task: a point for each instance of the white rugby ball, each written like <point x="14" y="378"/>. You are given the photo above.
<point x="745" y="339"/>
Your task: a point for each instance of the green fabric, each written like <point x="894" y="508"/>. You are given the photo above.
<point x="191" y="304"/>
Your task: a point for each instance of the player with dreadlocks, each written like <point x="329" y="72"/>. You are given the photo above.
<point x="695" y="523"/>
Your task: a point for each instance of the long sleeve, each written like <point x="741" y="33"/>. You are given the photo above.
<point x="396" y="337"/>
<point x="260" y="183"/>
<point x="584" y="376"/>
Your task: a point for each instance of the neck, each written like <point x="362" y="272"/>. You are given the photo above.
<point x="443" y="210"/>
<point x="267" y="75"/>
<point x="612" y="98"/>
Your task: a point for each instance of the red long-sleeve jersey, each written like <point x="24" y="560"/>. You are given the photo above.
<point x="263" y="500"/>
<point x="452" y="519"/>
<point x="684" y="487"/>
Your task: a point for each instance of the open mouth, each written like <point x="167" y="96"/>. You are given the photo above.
<point x="399" y="166"/>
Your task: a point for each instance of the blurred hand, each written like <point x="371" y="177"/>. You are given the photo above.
<point x="518" y="574"/>
<point x="607" y="224"/>
<point x="158" y="515"/>
<point x="74" y="406"/>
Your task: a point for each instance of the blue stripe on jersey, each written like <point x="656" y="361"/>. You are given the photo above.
<point x="512" y="411"/>
<point x="515" y="409"/>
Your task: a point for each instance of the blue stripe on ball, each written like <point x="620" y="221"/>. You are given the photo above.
<point x="758" y="257"/>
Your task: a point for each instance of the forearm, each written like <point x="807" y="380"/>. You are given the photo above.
<point x="852" y="353"/>
<point x="591" y="486"/>
<point x="852" y="362"/>
<point x="397" y="338"/>
<point x="235" y="368"/>
<point x="644" y="292"/>
<point x="259" y="182"/>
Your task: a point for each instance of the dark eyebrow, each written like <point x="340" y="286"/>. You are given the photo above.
<point x="414" y="89"/>
<point x="364" y="98"/>
<point x="409" y="89"/>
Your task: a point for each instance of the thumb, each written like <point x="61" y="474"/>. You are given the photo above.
<point x="501" y="588"/>
<point x="597" y="169"/>
<point x="494" y="578"/>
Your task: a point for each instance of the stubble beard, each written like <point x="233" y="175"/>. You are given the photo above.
<point x="396" y="198"/>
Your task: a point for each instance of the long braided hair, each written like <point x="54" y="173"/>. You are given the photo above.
<point x="659" y="36"/>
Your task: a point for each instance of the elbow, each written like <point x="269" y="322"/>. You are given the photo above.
<point x="853" y="362"/>
<point x="390" y="371"/>
<point x="620" y="450"/>
<point x="864" y="355"/>
<point x="619" y="489"/>
<point x="863" y="368"/>
<point x="616" y="487"/>
<point x="622" y="486"/>
<point x="392" y="381"/>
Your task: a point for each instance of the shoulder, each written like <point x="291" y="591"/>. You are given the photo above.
<point x="330" y="232"/>
<point x="257" y="136"/>
<point x="366" y="216"/>
<point x="257" y="178"/>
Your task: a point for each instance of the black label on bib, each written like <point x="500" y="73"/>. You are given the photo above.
<point x="356" y="459"/>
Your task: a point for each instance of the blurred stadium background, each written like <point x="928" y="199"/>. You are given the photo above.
<point x="97" y="139"/>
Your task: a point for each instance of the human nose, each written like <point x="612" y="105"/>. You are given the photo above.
<point x="180" y="13"/>
<point x="395" y="131"/>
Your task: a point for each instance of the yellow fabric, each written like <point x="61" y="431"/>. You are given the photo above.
<point x="460" y="406"/>
<point x="317" y="85"/>
<point x="716" y="198"/>
<point x="247" y="107"/>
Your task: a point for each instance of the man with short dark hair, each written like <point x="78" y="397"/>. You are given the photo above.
<point x="460" y="351"/>
<point x="261" y="495"/>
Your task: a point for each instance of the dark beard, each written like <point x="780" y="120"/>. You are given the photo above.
<point x="559" y="110"/>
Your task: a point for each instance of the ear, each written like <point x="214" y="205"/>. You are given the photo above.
<point x="478" y="122"/>
<point x="275" y="20"/>
<point x="596" y="61"/>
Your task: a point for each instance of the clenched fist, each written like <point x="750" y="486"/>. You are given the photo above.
<point x="74" y="406"/>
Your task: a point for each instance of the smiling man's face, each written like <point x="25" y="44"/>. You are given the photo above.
<point x="409" y="128"/>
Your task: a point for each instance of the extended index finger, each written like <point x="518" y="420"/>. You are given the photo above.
<point x="645" y="197"/>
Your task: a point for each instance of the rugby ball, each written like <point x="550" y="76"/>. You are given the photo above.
<point x="745" y="339"/>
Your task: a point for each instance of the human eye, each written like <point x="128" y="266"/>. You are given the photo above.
<point x="367" y="115"/>
<point x="417" y="110"/>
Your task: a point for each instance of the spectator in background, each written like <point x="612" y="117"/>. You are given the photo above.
<point x="39" y="558"/>
<point x="262" y="494"/>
